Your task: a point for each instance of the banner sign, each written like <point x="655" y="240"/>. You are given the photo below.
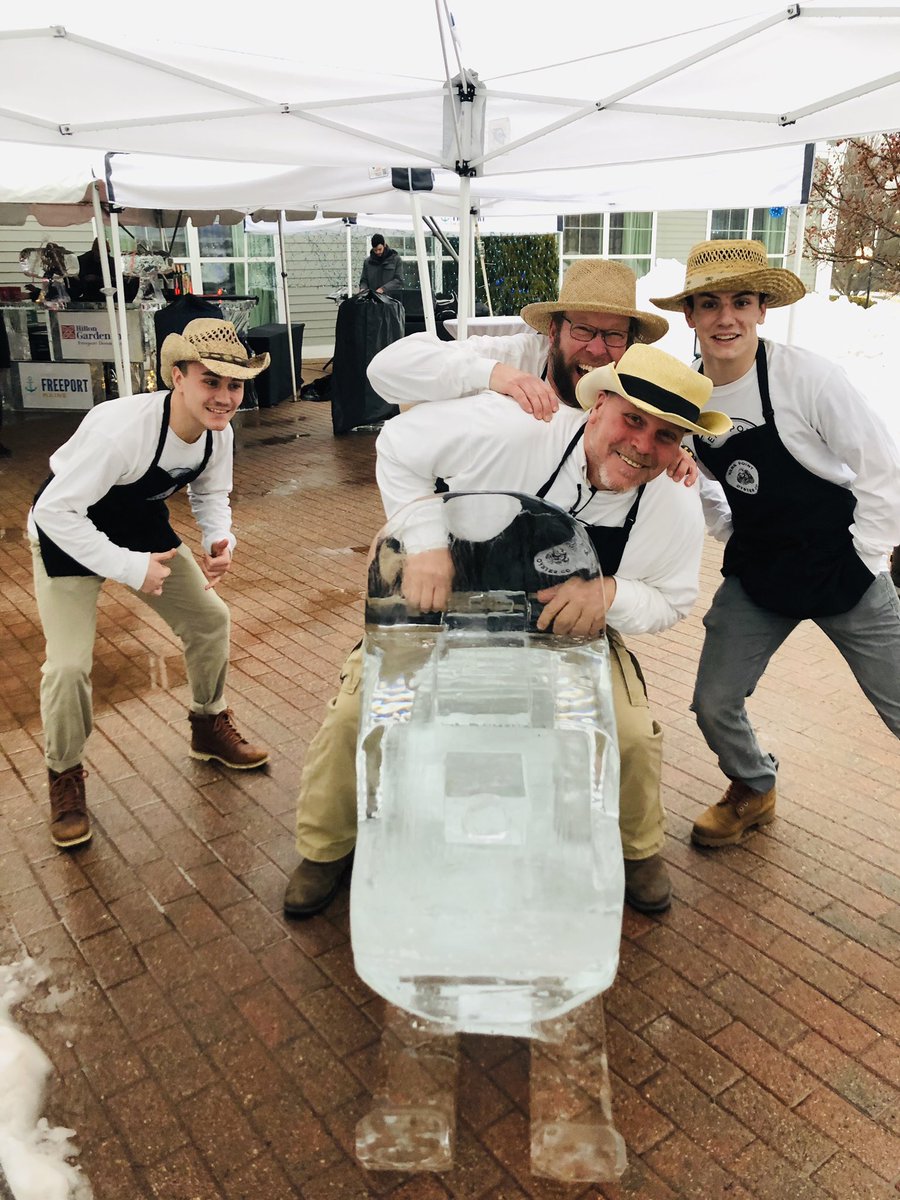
<point x="56" y="385"/>
<point x="85" y="335"/>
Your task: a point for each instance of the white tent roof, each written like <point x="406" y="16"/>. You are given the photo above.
<point x="605" y="104"/>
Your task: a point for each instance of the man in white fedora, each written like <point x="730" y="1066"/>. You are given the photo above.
<point x="809" y="507"/>
<point x="101" y="514"/>
<point x="605" y="462"/>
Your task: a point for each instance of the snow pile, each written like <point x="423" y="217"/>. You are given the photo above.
<point x="32" y="1154"/>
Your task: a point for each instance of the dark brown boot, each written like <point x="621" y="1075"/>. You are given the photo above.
<point x="216" y="737"/>
<point x="314" y="885"/>
<point x="647" y="885"/>
<point x="69" y="822"/>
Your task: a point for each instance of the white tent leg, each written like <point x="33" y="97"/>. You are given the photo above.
<point x="796" y="266"/>
<point x="464" y="309"/>
<point x="107" y="286"/>
<point x="287" y="302"/>
<point x="415" y="204"/>
<point x="348" y="242"/>
<point x="125" y="386"/>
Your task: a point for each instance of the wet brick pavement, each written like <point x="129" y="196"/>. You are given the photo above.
<point x="206" y="1049"/>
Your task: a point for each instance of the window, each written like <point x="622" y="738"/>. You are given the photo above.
<point x="766" y="225"/>
<point x="218" y="258"/>
<point x="626" y="237"/>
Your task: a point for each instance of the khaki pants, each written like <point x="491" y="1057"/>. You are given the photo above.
<point x="326" y="806"/>
<point x="68" y="610"/>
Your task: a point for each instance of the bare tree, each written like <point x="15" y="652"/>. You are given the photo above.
<point x="854" y="214"/>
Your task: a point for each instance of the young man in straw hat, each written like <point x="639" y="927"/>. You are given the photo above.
<point x="811" y="483"/>
<point x="608" y="469"/>
<point x="101" y="514"/>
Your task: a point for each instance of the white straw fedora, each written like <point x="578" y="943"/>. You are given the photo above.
<point x="214" y="343"/>
<point x="597" y="285"/>
<point x="659" y="384"/>
<point x="734" y="265"/>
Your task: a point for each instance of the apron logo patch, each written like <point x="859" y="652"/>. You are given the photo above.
<point x="564" y="559"/>
<point x="743" y="477"/>
<point x="739" y="425"/>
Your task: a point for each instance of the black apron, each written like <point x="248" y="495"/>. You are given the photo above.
<point x="791" y="546"/>
<point x="132" y="515"/>
<point x="608" y="542"/>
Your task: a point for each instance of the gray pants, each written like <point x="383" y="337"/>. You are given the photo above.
<point x="740" y="639"/>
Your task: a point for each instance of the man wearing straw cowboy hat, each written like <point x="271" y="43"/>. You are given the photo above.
<point x="589" y="326"/>
<point x="101" y="514"/>
<point x="811" y="484"/>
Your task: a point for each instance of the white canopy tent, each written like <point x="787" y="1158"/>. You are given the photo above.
<point x="640" y="107"/>
<point x="532" y="117"/>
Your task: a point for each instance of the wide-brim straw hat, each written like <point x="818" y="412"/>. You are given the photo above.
<point x="734" y="265"/>
<point x="597" y="285"/>
<point x="659" y="384"/>
<point x="214" y="343"/>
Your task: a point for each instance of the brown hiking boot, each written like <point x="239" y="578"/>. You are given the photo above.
<point x="738" y="812"/>
<point x="314" y="885"/>
<point x="216" y="737"/>
<point x="69" y="822"/>
<point x="648" y="888"/>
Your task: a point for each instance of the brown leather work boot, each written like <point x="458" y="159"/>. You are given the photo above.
<point x="739" y="812"/>
<point x="314" y="885"/>
<point x="216" y="737"/>
<point x="69" y="821"/>
<point x="648" y="888"/>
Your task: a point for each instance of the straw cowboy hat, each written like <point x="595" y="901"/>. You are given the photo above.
<point x="735" y="265"/>
<point x="214" y="343"/>
<point x="659" y="384"/>
<point x="597" y="285"/>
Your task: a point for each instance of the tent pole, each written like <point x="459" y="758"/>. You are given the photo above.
<point x="465" y="258"/>
<point x="797" y="266"/>
<point x="415" y="204"/>
<point x="126" y="390"/>
<point x="287" y="301"/>
<point x="487" y="290"/>
<point x="348" y="243"/>
<point x="107" y="286"/>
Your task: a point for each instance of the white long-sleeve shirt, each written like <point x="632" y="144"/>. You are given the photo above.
<point x="486" y="442"/>
<point x="115" y="444"/>
<point x="830" y="429"/>
<point x="422" y="367"/>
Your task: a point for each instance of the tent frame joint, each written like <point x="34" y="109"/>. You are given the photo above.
<point x="793" y="11"/>
<point x="65" y="130"/>
<point x="465" y="93"/>
<point x="464" y="169"/>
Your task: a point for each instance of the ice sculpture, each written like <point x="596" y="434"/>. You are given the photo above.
<point x="488" y="880"/>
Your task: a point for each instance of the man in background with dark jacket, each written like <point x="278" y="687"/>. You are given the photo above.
<point x="382" y="270"/>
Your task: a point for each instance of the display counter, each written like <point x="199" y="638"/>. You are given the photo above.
<point x="63" y="358"/>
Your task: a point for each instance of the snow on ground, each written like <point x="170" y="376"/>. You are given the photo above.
<point x="32" y="1154"/>
<point x="864" y="342"/>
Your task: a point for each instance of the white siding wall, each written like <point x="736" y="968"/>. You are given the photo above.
<point x="317" y="265"/>
<point x="676" y="232"/>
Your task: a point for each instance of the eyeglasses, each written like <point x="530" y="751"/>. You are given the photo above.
<point x="587" y="333"/>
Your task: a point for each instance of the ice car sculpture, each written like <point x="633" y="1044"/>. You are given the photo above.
<point x="488" y="880"/>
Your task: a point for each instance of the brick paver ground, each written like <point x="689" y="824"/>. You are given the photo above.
<point x="206" y="1048"/>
